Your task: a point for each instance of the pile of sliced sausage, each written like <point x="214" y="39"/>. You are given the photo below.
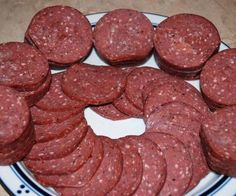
<point x="42" y="114"/>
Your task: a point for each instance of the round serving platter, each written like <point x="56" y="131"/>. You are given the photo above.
<point x="17" y="180"/>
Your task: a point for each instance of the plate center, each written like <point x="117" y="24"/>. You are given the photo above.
<point x="114" y="129"/>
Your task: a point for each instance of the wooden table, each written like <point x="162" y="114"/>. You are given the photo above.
<point x="15" y="15"/>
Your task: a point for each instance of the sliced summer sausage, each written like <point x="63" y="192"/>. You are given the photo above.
<point x="123" y="36"/>
<point x="61" y="33"/>
<point x="184" y="42"/>
<point x="217" y="80"/>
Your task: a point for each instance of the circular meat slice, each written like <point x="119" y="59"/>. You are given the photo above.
<point x="172" y="91"/>
<point x="106" y="176"/>
<point x="10" y="148"/>
<point x="173" y="109"/>
<point x="123" y="35"/>
<point x="184" y="42"/>
<point x="55" y="100"/>
<point x="155" y="84"/>
<point x="22" y="148"/>
<point x="92" y="84"/>
<point x="126" y="107"/>
<point x="218" y="136"/>
<point x="137" y="80"/>
<point x="179" y="163"/>
<point x="217" y="79"/>
<point x="187" y="131"/>
<point x="66" y="164"/>
<point x="109" y="111"/>
<point x="45" y="133"/>
<point x="81" y="176"/>
<point x="61" y="147"/>
<point x="132" y="172"/>
<point x="154" y="165"/>
<point x="34" y="96"/>
<point x="21" y="66"/>
<point x="14" y="115"/>
<point x="42" y="117"/>
<point x="61" y="33"/>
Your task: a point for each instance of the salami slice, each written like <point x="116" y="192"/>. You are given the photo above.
<point x="61" y="33"/>
<point x="81" y="176"/>
<point x="217" y="79"/>
<point x="67" y="164"/>
<point x="179" y="163"/>
<point x="184" y="42"/>
<point x="109" y="111"/>
<point x="15" y="115"/>
<point x="154" y="166"/>
<point x="55" y="100"/>
<point x="218" y="137"/>
<point x="126" y="107"/>
<point x="61" y="147"/>
<point x="34" y="96"/>
<point x="187" y="131"/>
<point x="41" y="117"/>
<point x="45" y="133"/>
<point x="16" y="127"/>
<point x="172" y="91"/>
<point x="93" y="85"/>
<point x="136" y="81"/>
<point x="132" y="172"/>
<point x="156" y="83"/>
<point x="10" y="148"/>
<point x="171" y="109"/>
<point x="106" y="176"/>
<point x="123" y="36"/>
<point x="18" y="150"/>
<point x="22" y="67"/>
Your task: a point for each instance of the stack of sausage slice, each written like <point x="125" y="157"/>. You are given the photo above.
<point x="24" y="68"/>
<point x="61" y="33"/>
<point x="16" y="126"/>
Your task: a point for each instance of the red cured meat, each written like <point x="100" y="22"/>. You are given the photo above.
<point x="172" y="91"/>
<point x="170" y="109"/>
<point x="22" y="67"/>
<point x="179" y="163"/>
<point x="81" y="176"/>
<point x="93" y="85"/>
<point x="55" y="100"/>
<point x="34" y="96"/>
<point x="14" y="115"/>
<point x="154" y="166"/>
<point x="19" y="150"/>
<point x="217" y="80"/>
<point x="123" y="36"/>
<point x="126" y="107"/>
<point x="137" y="80"/>
<point x="106" y="176"/>
<point x="110" y="112"/>
<point x="218" y="136"/>
<point x="66" y="164"/>
<point x="184" y="42"/>
<point x="42" y="117"/>
<point x="61" y="147"/>
<point x="61" y="33"/>
<point x="44" y="133"/>
<point x="132" y="172"/>
<point x="155" y="84"/>
<point x="187" y="131"/>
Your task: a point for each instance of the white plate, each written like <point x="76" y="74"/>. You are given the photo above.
<point x="18" y="181"/>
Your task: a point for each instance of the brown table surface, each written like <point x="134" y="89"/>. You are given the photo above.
<point x="15" y="15"/>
